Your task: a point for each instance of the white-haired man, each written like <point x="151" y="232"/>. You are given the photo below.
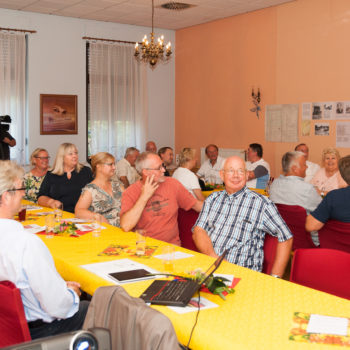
<point x="237" y="219"/>
<point x="290" y="188"/>
<point x="125" y="168"/>
<point x="153" y="202"/>
<point x="51" y="305"/>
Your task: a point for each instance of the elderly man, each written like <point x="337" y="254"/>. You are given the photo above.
<point x="153" y="202"/>
<point x="125" y="168"/>
<point x="166" y="154"/>
<point x="210" y="169"/>
<point x="258" y="168"/>
<point x="335" y="205"/>
<point x="290" y="188"/>
<point x="151" y="147"/>
<point x="312" y="168"/>
<point x="237" y="219"/>
<point x="51" y="305"/>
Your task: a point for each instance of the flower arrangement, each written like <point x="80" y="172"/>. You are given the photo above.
<point x="215" y="284"/>
<point x="66" y="228"/>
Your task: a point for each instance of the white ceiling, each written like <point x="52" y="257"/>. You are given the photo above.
<point x="138" y="12"/>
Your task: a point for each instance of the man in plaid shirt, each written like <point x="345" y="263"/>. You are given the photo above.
<point x="237" y="219"/>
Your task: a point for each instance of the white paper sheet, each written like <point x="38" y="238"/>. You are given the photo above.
<point x="104" y="268"/>
<point x="33" y="228"/>
<point x="327" y="325"/>
<point x="193" y="306"/>
<point x="176" y="256"/>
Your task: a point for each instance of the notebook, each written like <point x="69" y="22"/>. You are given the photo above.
<point x="177" y="292"/>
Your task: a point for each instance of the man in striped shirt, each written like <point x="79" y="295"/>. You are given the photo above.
<point x="237" y="219"/>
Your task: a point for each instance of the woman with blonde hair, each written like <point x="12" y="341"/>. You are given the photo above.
<point x="33" y="178"/>
<point x="101" y="197"/>
<point x="328" y="178"/>
<point x="64" y="182"/>
<point x="187" y="161"/>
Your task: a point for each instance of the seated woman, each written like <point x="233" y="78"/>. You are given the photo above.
<point x="64" y="182"/>
<point x="183" y="173"/>
<point x="33" y="178"/>
<point x="328" y="178"/>
<point x="102" y="196"/>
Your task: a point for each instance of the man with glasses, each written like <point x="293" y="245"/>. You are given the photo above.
<point x="153" y="202"/>
<point x="51" y="305"/>
<point x="237" y="219"/>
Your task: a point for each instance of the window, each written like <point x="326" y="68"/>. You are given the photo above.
<point x="116" y="99"/>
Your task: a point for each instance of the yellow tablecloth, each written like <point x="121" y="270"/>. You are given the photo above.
<point x="257" y="316"/>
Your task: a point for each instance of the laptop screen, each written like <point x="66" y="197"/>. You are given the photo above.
<point x="212" y="268"/>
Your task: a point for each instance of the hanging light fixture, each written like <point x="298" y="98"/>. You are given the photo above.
<point x="151" y="52"/>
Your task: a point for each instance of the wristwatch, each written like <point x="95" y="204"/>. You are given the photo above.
<point x="276" y="276"/>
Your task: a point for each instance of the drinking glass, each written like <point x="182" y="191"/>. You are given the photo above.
<point x="168" y="253"/>
<point x="58" y="213"/>
<point x="96" y="232"/>
<point x="22" y="214"/>
<point x="50" y="224"/>
<point x="140" y="242"/>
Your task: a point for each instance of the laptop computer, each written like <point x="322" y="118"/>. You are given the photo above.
<point x="177" y="292"/>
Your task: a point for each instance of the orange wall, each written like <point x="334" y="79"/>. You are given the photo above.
<point x="297" y="52"/>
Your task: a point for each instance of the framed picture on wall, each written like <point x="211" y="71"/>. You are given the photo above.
<point x="58" y="114"/>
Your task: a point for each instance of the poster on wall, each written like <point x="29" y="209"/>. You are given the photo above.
<point x="305" y="127"/>
<point x="281" y="123"/>
<point x="306" y="111"/>
<point x="343" y="134"/>
<point x="326" y="110"/>
<point x="322" y="129"/>
<point x="317" y="110"/>
<point x="58" y="114"/>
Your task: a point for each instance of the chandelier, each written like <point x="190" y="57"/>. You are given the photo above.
<point x="151" y="51"/>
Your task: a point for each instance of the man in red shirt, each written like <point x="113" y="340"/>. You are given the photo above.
<point x="153" y="202"/>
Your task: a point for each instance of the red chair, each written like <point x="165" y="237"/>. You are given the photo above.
<point x="13" y="324"/>
<point x="335" y="235"/>
<point x="270" y="246"/>
<point x="327" y="270"/>
<point x="295" y="217"/>
<point x="186" y="220"/>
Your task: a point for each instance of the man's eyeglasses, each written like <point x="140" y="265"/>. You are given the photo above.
<point x="159" y="168"/>
<point x="41" y="158"/>
<point x="16" y="189"/>
<point x="239" y="172"/>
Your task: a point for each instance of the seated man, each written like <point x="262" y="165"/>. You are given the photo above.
<point x="237" y="219"/>
<point x="151" y="147"/>
<point x="166" y="154"/>
<point x="335" y="205"/>
<point x="153" y="202"/>
<point x="125" y="168"/>
<point x="312" y="168"/>
<point x="51" y="305"/>
<point x="258" y="169"/>
<point x="290" y="188"/>
<point x="209" y="170"/>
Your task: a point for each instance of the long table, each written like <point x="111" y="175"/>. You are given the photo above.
<point x="257" y="316"/>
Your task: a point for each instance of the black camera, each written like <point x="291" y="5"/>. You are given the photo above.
<point x="7" y="120"/>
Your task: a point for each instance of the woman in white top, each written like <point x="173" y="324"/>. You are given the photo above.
<point x="183" y="173"/>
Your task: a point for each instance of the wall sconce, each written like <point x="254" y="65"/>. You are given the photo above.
<point x="256" y="102"/>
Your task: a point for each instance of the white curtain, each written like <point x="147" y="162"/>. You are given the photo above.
<point x="117" y="99"/>
<point x="13" y="89"/>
